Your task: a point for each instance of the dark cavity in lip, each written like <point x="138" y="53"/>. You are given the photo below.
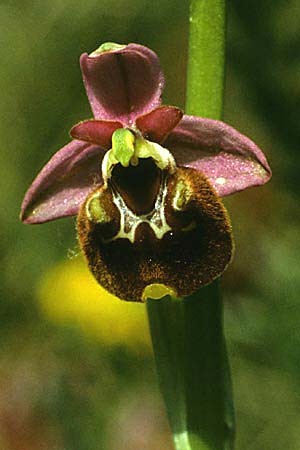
<point x="138" y="185"/>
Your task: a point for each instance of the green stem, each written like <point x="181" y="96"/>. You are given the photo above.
<point x="187" y="334"/>
<point x="188" y="344"/>
<point x="205" y="82"/>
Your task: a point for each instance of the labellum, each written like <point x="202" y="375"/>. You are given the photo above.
<point x="153" y="228"/>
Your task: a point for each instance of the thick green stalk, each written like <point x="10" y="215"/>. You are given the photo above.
<point x="205" y="82"/>
<point x="189" y="350"/>
<point x="187" y="334"/>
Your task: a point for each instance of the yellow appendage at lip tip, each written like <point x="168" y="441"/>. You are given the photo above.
<point x="156" y="291"/>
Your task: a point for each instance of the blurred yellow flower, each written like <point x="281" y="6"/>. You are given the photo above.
<point x="69" y="294"/>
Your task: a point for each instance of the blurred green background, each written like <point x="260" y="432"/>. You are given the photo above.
<point x="76" y="368"/>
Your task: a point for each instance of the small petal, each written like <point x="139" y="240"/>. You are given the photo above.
<point x="64" y="183"/>
<point x="230" y="160"/>
<point x="158" y="124"/>
<point x="122" y="84"/>
<point x="95" y="131"/>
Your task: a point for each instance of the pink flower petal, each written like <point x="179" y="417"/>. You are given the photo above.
<point x="95" y="131"/>
<point x="157" y="124"/>
<point x="64" y="183"/>
<point x="230" y="160"/>
<point x="122" y="84"/>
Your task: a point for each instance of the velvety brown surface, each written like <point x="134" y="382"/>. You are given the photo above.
<point x="182" y="260"/>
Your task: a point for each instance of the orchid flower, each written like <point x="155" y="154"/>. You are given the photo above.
<point x="145" y="181"/>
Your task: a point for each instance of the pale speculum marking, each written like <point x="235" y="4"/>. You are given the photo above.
<point x="129" y="151"/>
<point x="129" y="221"/>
